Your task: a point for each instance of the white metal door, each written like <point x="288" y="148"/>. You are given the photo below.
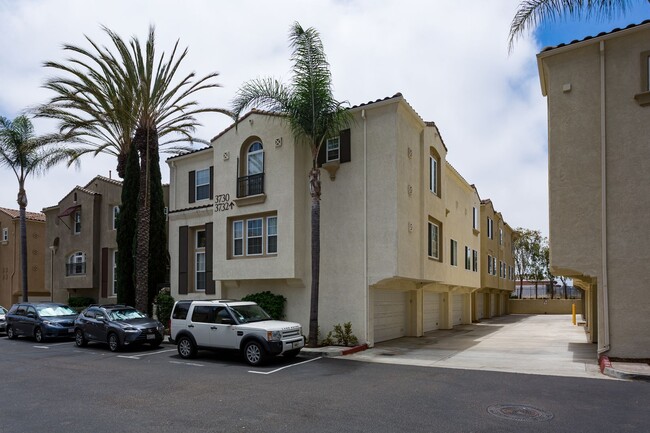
<point x="457" y="310"/>
<point x="479" y="305"/>
<point x="493" y="305"/>
<point x="391" y="314"/>
<point x="431" y="311"/>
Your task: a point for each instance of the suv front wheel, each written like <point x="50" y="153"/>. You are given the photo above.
<point x="255" y="353"/>
<point x="114" y="342"/>
<point x="186" y="347"/>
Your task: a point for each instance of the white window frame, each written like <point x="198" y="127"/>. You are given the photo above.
<point x="433" y="241"/>
<point x="198" y="185"/>
<point x="114" y="282"/>
<point x="116" y="212"/>
<point x="254" y="155"/>
<point x="453" y="252"/>
<point x="474" y="218"/>
<point x="236" y="238"/>
<point x="77" y="222"/>
<point x="260" y="236"/>
<point x="199" y="251"/>
<point x="77" y="258"/>
<point x="468" y="258"/>
<point x="500" y="236"/>
<point x="490" y="228"/>
<point x="474" y="261"/>
<point x="336" y="147"/>
<point x="494" y="265"/>
<point x="270" y="235"/>
<point x="489" y="270"/>
<point x="433" y="174"/>
<point x="5" y="234"/>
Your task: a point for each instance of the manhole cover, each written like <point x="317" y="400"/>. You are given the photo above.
<point x="518" y="412"/>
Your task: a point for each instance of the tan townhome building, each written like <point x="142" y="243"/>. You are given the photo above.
<point x="497" y="272"/>
<point x="10" y="266"/>
<point x="399" y="249"/>
<point x="598" y="96"/>
<point x="82" y="244"/>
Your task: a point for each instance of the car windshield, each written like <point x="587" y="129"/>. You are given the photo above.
<point x="3" y="310"/>
<point x="126" y="314"/>
<point x="249" y="313"/>
<point x="55" y="310"/>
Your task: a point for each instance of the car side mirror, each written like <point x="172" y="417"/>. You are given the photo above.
<point x="31" y="315"/>
<point x="226" y="321"/>
<point x="100" y="317"/>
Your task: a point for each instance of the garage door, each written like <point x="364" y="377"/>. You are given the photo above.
<point x="431" y="311"/>
<point x="479" y="306"/>
<point x="457" y="310"/>
<point x="504" y="300"/>
<point x="390" y="315"/>
<point x="493" y="305"/>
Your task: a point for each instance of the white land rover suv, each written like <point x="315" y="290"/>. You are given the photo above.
<point x="239" y="325"/>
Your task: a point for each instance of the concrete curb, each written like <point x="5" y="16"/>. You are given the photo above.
<point x="331" y="351"/>
<point x="608" y="369"/>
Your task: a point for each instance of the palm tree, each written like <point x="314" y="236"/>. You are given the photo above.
<point x="130" y="98"/>
<point x="309" y="107"/>
<point x="532" y="12"/>
<point x="27" y="154"/>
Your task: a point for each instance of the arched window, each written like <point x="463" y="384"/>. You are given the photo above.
<point x="250" y="181"/>
<point x="76" y="264"/>
<point x="255" y="159"/>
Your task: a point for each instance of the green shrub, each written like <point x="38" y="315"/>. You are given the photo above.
<point x="272" y="304"/>
<point x="164" y="303"/>
<point x="80" y="301"/>
<point x="341" y="336"/>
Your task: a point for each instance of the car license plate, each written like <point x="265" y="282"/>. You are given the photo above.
<point x="296" y="344"/>
<point x="151" y="337"/>
<point x="70" y="331"/>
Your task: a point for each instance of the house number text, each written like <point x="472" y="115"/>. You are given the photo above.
<point x="222" y="203"/>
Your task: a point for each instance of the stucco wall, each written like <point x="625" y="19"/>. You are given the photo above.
<point x="544" y="306"/>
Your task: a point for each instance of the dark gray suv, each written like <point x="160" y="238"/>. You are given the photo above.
<point x="117" y="325"/>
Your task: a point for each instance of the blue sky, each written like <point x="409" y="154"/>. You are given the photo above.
<point x="449" y="59"/>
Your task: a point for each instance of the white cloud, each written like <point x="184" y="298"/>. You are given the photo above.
<point x="449" y="59"/>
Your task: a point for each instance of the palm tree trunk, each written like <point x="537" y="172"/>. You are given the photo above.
<point x="22" y="203"/>
<point x="314" y="185"/>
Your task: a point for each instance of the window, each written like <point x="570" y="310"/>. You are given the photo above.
<point x="490" y="228"/>
<point x="433" y="174"/>
<point x="500" y="269"/>
<point x="434" y="241"/>
<point x="203" y="184"/>
<point x="468" y="259"/>
<point x="255" y="236"/>
<point x="250" y="178"/>
<point x="77" y="222"/>
<point x="454" y="253"/>
<point x="238" y="238"/>
<point x="76" y="264"/>
<point x="272" y="235"/>
<point x="474" y="218"/>
<point x="489" y="265"/>
<point x="114" y="292"/>
<point x="500" y="236"/>
<point x="333" y="149"/>
<point x="255" y="159"/>
<point x="474" y="260"/>
<point x="494" y="265"/>
<point x="5" y="234"/>
<point x="116" y="212"/>
<point x="199" y="261"/>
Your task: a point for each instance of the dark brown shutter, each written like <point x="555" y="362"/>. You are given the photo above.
<point x="192" y="186"/>
<point x="344" y="142"/>
<point x="104" y="272"/>
<point x="209" y="281"/>
<point x="182" y="260"/>
<point x="321" y="154"/>
<point x="211" y="182"/>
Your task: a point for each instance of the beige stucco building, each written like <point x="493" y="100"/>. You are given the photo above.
<point x="10" y="267"/>
<point x="397" y="223"/>
<point x="598" y="95"/>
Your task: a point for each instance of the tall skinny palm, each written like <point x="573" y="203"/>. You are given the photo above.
<point x="533" y="12"/>
<point x="309" y="107"/>
<point x="128" y="96"/>
<point x="27" y="154"/>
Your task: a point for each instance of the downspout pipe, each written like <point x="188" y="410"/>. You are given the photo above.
<point x="603" y="304"/>
<point x="365" y="223"/>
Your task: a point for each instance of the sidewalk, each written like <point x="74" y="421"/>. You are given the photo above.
<point x="625" y="370"/>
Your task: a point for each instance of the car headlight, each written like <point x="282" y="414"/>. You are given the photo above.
<point x="131" y="330"/>
<point x="274" y="335"/>
<point x="161" y="327"/>
<point x="49" y="323"/>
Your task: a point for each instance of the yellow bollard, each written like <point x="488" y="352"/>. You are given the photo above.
<point x="573" y="313"/>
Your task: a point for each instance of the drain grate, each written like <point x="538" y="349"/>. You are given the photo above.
<point x="518" y="412"/>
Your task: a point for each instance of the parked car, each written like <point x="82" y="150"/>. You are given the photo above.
<point x="118" y="326"/>
<point x="40" y="320"/>
<point x="238" y="325"/>
<point x="3" y="320"/>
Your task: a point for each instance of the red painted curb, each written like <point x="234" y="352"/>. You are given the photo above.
<point x="604" y="363"/>
<point x="355" y="349"/>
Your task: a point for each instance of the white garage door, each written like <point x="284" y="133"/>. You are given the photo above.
<point x="479" y="306"/>
<point x="390" y="315"/>
<point x="504" y="300"/>
<point x="457" y="310"/>
<point x="493" y="305"/>
<point x="431" y="311"/>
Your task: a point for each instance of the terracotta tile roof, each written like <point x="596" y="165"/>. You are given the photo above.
<point x="105" y="179"/>
<point x="32" y="216"/>
<point x="253" y="111"/>
<point x="191" y="208"/>
<point x="189" y="153"/>
<point x="575" y="41"/>
<point x="396" y="95"/>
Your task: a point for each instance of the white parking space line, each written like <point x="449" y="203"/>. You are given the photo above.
<point x="62" y="343"/>
<point x="186" y="363"/>
<point x="145" y="354"/>
<point x="285" y="367"/>
<point x="41" y="347"/>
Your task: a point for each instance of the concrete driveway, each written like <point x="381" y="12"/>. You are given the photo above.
<point x="530" y="344"/>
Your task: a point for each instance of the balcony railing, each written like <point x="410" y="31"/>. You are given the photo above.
<point x="250" y="185"/>
<point x="75" y="269"/>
